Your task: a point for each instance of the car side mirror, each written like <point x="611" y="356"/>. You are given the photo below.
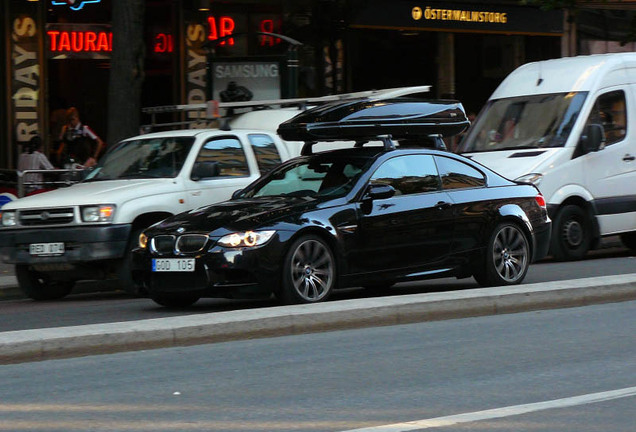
<point x="206" y="169"/>
<point x="379" y="191"/>
<point x="592" y="139"/>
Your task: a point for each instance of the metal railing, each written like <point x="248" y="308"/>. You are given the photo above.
<point x="22" y="183"/>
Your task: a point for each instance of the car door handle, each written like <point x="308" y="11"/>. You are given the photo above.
<point x="628" y="158"/>
<point x="443" y="205"/>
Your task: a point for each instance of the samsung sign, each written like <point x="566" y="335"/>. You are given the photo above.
<point x="262" y="78"/>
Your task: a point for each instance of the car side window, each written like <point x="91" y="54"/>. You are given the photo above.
<point x="408" y="174"/>
<point x="458" y="175"/>
<point x="265" y="151"/>
<point x="228" y="153"/>
<point x="609" y="111"/>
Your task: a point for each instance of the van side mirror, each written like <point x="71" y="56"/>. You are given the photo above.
<point x="379" y="191"/>
<point x="206" y="169"/>
<point x="592" y="139"/>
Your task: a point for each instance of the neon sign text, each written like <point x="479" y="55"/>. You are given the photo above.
<point x="221" y="27"/>
<point x="80" y="41"/>
<point x="74" y="4"/>
<point x="164" y="43"/>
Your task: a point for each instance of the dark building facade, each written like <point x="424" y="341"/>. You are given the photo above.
<point x="57" y="53"/>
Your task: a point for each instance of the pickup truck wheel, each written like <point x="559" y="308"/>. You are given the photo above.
<point x="175" y="300"/>
<point x="39" y="286"/>
<point x="507" y="257"/>
<point x="309" y="271"/>
<point x="571" y="234"/>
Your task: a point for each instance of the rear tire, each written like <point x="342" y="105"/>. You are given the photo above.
<point x="571" y="234"/>
<point x="507" y="257"/>
<point x="309" y="271"/>
<point x="40" y="286"/>
<point x="174" y="301"/>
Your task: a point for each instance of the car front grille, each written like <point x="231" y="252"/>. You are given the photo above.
<point x="191" y="243"/>
<point x="54" y="216"/>
<point x="163" y="244"/>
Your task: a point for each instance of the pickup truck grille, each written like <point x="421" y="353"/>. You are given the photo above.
<point x="55" y="216"/>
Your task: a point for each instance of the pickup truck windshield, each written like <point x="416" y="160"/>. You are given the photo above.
<point x="534" y="121"/>
<point x="143" y="158"/>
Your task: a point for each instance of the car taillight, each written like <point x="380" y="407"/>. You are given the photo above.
<point x="540" y="200"/>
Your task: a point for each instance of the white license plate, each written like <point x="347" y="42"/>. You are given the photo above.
<point x="173" y="265"/>
<point x="46" y="248"/>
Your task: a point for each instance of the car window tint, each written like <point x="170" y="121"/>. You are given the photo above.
<point x="458" y="175"/>
<point x="609" y="111"/>
<point x="229" y="155"/>
<point x="265" y="151"/>
<point x="409" y="174"/>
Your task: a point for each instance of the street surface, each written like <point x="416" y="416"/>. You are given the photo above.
<point x="115" y="306"/>
<point x="566" y="370"/>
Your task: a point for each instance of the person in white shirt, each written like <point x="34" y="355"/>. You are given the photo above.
<point x="33" y="159"/>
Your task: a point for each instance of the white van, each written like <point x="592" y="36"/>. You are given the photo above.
<point x="568" y="126"/>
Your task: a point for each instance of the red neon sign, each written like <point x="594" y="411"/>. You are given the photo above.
<point x="221" y="27"/>
<point x="267" y="26"/>
<point x="80" y="41"/>
<point x="164" y="43"/>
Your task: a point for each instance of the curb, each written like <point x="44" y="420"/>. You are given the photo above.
<point x="63" y="342"/>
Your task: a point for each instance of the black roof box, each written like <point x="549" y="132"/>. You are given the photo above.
<point x="400" y="118"/>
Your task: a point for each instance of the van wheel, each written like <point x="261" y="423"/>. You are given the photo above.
<point x="309" y="271"/>
<point x="629" y="240"/>
<point x="571" y="234"/>
<point x="507" y="257"/>
<point x="40" y="286"/>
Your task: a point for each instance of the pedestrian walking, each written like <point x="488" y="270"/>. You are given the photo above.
<point x="79" y="142"/>
<point x="32" y="158"/>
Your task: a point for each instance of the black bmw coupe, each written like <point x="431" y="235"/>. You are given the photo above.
<point x="364" y="216"/>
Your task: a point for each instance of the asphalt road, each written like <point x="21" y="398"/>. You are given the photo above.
<point x="115" y="306"/>
<point x="566" y="370"/>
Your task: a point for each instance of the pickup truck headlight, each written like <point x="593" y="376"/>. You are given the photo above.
<point x="534" y="178"/>
<point x="9" y="218"/>
<point x="98" y="213"/>
<point x="246" y="239"/>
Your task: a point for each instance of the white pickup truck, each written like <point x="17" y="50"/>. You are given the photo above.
<point x="84" y="232"/>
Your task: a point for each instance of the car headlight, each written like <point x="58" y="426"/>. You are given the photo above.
<point x="246" y="239"/>
<point x="98" y="213"/>
<point x="143" y="241"/>
<point x="9" y="218"/>
<point x="534" y="178"/>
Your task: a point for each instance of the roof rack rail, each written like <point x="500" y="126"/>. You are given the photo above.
<point x="210" y="111"/>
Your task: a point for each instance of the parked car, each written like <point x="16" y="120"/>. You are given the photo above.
<point x="364" y="216"/>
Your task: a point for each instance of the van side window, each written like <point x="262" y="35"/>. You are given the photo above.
<point x="458" y="175"/>
<point x="408" y="174"/>
<point x="228" y="153"/>
<point x="265" y="151"/>
<point x="610" y="111"/>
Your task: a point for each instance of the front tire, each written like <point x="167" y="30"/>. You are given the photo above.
<point x="507" y="257"/>
<point x="40" y="286"/>
<point x="571" y="234"/>
<point x="309" y="271"/>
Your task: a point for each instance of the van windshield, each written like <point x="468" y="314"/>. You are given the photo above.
<point x="534" y="121"/>
<point x="143" y="158"/>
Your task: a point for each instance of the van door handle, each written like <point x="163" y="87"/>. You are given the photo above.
<point x="443" y="205"/>
<point x="628" y="158"/>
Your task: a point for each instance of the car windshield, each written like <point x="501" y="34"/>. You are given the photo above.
<point x="312" y="177"/>
<point x="535" y="121"/>
<point x="143" y="158"/>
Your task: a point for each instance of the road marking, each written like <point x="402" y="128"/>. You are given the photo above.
<point x="501" y="412"/>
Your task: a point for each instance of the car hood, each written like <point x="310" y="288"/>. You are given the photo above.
<point x="513" y="164"/>
<point x="99" y="192"/>
<point x="238" y="215"/>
